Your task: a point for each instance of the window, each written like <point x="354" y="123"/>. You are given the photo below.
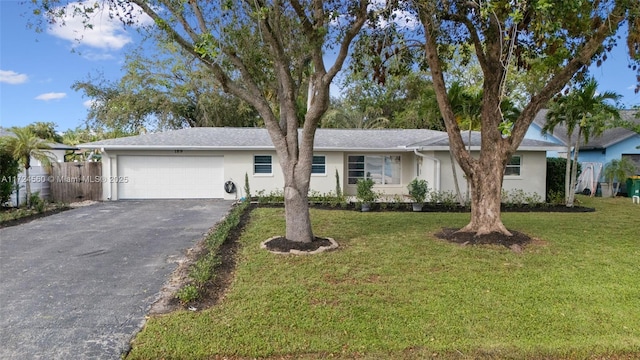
<point x="319" y="166"/>
<point x="262" y="164"/>
<point x="513" y="166"/>
<point x="382" y="169"/>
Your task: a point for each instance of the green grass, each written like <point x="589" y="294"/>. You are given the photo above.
<point x="8" y="215"/>
<point x="394" y="291"/>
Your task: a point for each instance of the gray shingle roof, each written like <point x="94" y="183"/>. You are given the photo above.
<point x="258" y="138"/>
<point x="609" y="137"/>
<point x="443" y="142"/>
<point x="223" y="138"/>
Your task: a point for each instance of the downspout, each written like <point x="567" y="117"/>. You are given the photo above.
<point x="437" y="162"/>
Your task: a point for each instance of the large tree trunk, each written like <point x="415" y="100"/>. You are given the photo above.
<point x="486" y="191"/>
<point x="296" y="199"/>
<point x="296" y="208"/>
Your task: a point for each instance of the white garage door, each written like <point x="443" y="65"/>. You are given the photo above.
<point x="171" y="177"/>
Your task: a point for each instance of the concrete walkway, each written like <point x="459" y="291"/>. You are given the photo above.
<point x="78" y="284"/>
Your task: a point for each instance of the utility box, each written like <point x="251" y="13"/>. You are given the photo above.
<point x="633" y="186"/>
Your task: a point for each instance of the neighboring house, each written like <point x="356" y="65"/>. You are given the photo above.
<point x="196" y="162"/>
<point x="612" y="144"/>
<point x="37" y="172"/>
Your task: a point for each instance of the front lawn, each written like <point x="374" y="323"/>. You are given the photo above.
<point x="392" y="290"/>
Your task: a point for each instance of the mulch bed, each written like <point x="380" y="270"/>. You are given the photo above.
<point x="514" y="242"/>
<point x="282" y="244"/>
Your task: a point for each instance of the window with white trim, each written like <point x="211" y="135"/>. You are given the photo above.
<point x="319" y="165"/>
<point x="262" y="165"/>
<point x="513" y="166"/>
<point x="383" y="169"/>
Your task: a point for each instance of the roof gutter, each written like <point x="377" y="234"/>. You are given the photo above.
<point x="103" y="148"/>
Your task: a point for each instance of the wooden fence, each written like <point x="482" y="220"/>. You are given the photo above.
<point x="76" y="181"/>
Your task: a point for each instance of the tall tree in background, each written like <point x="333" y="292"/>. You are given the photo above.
<point x="262" y="52"/>
<point x="342" y="115"/>
<point x="45" y="131"/>
<point x="589" y="113"/>
<point x="86" y="134"/>
<point x="24" y="146"/>
<point x="556" y="39"/>
<point x="406" y="100"/>
<point x="171" y="91"/>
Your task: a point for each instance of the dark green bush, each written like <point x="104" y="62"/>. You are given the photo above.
<point x="8" y="171"/>
<point x="556" y="170"/>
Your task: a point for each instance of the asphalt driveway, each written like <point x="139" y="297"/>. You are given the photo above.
<point x="78" y="284"/>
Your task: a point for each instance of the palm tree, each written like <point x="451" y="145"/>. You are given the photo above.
<point x="588" y="112"/>
<point x="618" y="169"/>
<point x="345" y="117"/>
<point x="24" y="146"/>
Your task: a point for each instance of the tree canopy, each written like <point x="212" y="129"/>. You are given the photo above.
<point x="267" y="53"/>
<point x="555" y="40"/>
<point x="172" y="90"/>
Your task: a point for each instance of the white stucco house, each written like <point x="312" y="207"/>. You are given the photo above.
<point x="38" y="174"/>
<point x="196" y="162"/>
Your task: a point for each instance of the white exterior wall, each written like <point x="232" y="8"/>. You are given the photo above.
<point x="533" y="174"/>
<point x="237" y="163"/>
<point x="532" y="179"/>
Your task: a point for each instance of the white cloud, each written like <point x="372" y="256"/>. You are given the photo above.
<point x="403" y="19"/>
<point x="89" y="103"/>
<point x="12" y="77"/>
<point x="106" y="30"/>
<point x="95" y="56"/>
<point x="51" y="96"/>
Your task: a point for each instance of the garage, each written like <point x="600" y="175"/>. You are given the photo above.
<point x="170" y="177"/>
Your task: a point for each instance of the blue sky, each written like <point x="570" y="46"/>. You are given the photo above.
<point x="38" y="69"/>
